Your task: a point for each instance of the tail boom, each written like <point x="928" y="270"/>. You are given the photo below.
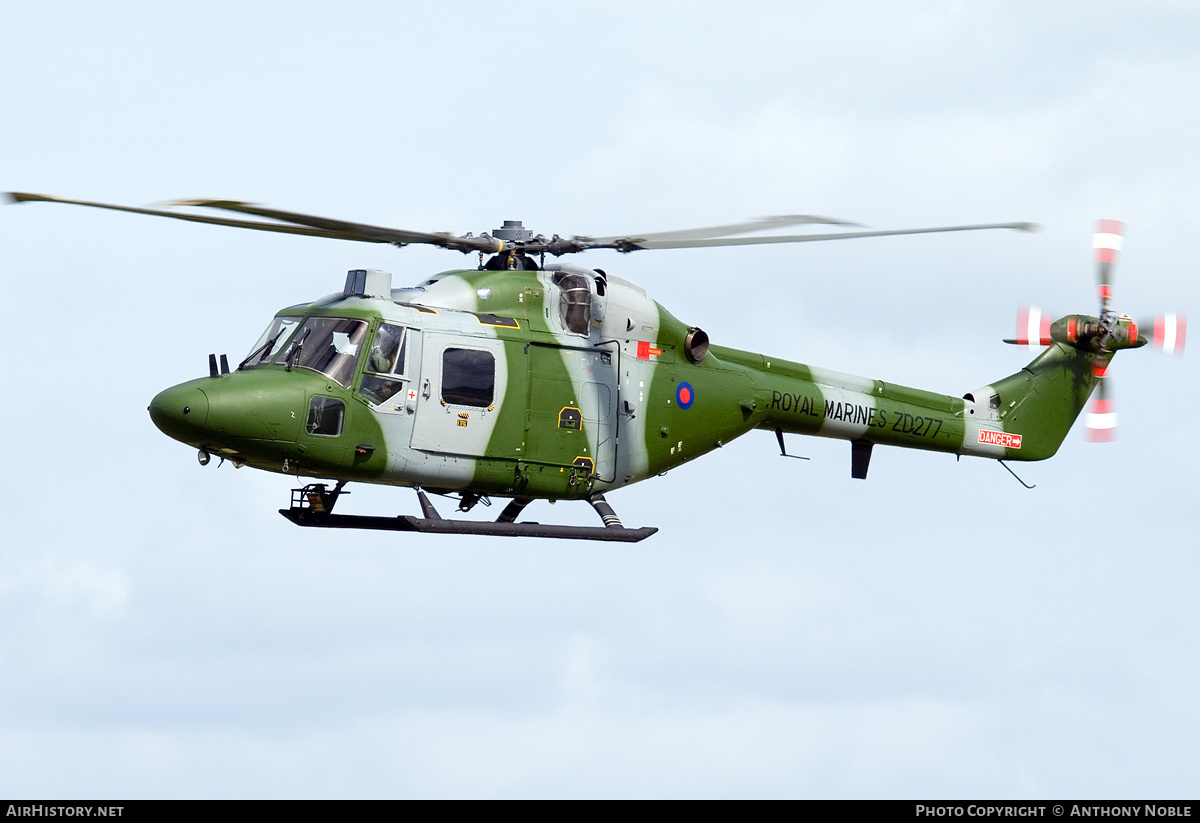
<point x="1024" y="416"/>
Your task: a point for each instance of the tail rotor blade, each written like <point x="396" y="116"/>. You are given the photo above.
<point x="1102" y="411"/>
<point x="1107" y="241"/>
<point x="1168" y="332"/>
<point x="1033" y="327"/>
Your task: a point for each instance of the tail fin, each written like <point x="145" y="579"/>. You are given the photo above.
<point x="1042" y="401"/>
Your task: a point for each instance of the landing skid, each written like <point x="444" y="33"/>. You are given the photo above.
<point x="303" y="513"/>
<point x="408" y="523"/>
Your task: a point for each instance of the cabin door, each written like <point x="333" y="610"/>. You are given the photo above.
<point x="572" y="409"/>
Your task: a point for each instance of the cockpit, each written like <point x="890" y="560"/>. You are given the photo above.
<point x="331" y="346"/>
<point x="328" y="345"/>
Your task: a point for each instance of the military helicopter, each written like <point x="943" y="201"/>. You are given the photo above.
<point x="527" y="380"/>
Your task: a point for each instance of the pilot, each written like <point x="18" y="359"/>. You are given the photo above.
<point x="383" y="352"/>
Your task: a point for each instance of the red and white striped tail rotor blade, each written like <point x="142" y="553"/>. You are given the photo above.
<point x="1033" y="327"/>
<point x="1107" y="241"/>
<point x="1170" y="332"/>
<point x="1109" y="236"/>
<point x="1101" y="419"/>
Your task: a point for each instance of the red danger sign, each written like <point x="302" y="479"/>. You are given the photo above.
<point x="645" y="351"/>
<point x="991" y="438"/>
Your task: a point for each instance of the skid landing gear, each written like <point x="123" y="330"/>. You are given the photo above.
<point x="313" y="506"/>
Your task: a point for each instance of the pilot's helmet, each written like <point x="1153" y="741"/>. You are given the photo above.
<point x="387" y="340"/>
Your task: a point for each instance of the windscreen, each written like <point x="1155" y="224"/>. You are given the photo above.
<point x="272" y="340"/>
<point x="329" y="345"/>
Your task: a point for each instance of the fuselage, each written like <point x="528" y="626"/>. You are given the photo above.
<point x="550" y="384"/>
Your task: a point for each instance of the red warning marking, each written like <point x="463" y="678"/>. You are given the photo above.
<point x="645" y="351"/>
<point x="994" y="438"/>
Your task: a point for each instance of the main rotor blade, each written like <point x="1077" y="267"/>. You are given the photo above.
<point x="719" y="231"/>
<point x="350" y="230"/>
<point x="307" y="225"/>
<point x="636" y="244"/>
<point x="25" y="197"/>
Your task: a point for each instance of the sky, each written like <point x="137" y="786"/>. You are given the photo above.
<point x="937" y="631"/>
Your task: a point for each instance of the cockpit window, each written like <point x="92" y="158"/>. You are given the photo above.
<point x="325" y="416"/>
<point x="385" y="368"/>
<point x="387" y="350"/>
<point x="329" y="345"/>
<point x="272" y="341"/>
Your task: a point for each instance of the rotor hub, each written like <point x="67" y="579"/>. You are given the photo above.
<point x="513" y="231"/>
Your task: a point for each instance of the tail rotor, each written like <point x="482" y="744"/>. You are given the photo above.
<point x="1102" y="335"/>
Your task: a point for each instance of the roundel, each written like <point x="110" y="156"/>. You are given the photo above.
<point x="685" y="395"/>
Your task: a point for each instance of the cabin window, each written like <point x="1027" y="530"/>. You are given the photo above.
<point x="325" y="416"/>
<point x="575" y="302"/>
<point x="468" y="377"/>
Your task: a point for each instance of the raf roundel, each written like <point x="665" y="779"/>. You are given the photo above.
<point x="685" y="395"/>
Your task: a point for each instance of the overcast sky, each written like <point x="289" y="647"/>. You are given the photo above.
<point x="935" y="631"/>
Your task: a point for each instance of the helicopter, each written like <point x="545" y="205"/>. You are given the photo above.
<point x="526" y="380"/>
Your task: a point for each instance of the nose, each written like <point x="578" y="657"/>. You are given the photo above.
<point x="180" y="412"/>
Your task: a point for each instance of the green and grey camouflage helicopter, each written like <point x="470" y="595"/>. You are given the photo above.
<point x="532" y="381"/>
